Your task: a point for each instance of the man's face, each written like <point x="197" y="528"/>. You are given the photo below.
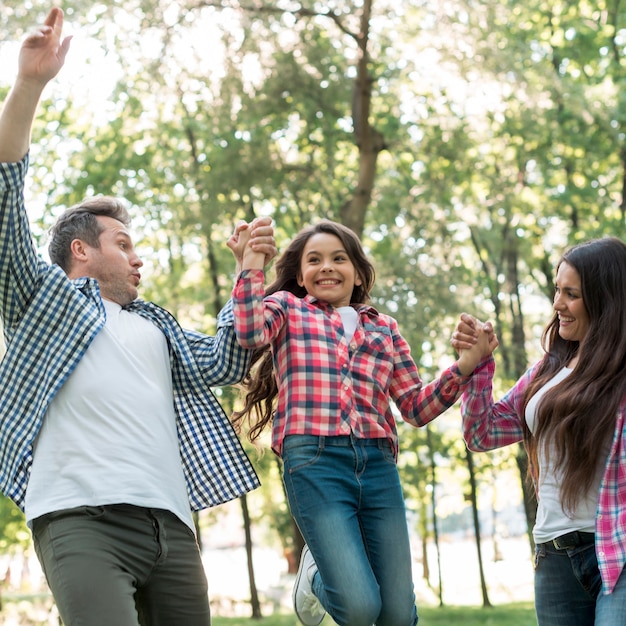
<point x="115" y="264"/>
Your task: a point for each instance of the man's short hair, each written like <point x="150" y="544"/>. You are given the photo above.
<point x="79" y="222"/>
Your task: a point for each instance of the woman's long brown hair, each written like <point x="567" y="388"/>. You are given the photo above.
<point x="576" y="418"/>
<point x="259" y="386"/>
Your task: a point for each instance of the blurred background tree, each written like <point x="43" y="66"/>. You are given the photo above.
<point x="467" y="144"/>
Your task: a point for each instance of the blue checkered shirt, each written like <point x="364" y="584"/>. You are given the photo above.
<point x="50" y="321"/>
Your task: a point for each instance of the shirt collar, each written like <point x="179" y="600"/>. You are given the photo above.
<point x="362" y="309"/>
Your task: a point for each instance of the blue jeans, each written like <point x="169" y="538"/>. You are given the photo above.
<point x="346" y="498"/>
<point x="567" y="589"/>
<point x="611" y="608"/>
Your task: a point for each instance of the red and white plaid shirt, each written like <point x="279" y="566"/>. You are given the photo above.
<point x="327" y="385"/>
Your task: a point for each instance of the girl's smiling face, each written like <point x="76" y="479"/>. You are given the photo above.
<point x="326" y="271"/>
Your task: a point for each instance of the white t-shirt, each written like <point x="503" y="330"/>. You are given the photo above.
<point x="552" y="521"/>
<point x="349" y="317"/>
<point x="109" y="435"/>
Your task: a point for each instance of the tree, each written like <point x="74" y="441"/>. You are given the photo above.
<point x="14" y="534"/>
<point x="477" y="535"/>
<point x="466" y="143"/>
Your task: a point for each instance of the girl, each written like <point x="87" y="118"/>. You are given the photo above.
<point x="333" y="363"/>
<point x="569" y="409"/>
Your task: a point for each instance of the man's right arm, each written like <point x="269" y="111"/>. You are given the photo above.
<point x="41" y="57"/>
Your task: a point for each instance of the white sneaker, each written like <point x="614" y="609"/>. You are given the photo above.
<point x="308" y="608"/>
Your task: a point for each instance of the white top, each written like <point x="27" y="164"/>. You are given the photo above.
<point x="349" y="317"/>
<point x="109" y="435"/>
<point x="552" y="521"/>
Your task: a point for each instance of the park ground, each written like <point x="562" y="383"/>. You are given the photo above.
<point x="507" y="567"/>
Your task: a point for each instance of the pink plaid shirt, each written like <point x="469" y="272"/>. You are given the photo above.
<point x="488" y="425"/>
<point x="327" y="385"/>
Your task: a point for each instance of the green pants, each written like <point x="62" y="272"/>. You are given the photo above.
<point x="122" y="565"/>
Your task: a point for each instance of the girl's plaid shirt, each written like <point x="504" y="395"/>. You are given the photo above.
<point x="327" y="385"/>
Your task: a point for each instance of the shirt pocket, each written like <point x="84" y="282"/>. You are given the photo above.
<point x="377" y="340"/>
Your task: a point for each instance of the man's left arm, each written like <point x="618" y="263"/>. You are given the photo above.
<point x="222" y="359"/>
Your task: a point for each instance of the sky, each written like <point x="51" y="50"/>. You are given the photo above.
<point x="88" y="73"/>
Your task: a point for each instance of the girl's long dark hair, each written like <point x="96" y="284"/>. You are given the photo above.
<point x="259" y="386"/>
<point x="576" y="418"/>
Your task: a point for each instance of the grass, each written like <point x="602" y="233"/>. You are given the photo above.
<point x="35" y="610"/>
<point x="519" y="614"/>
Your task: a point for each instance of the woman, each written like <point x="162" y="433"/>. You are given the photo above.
<point x="569" y="409"/>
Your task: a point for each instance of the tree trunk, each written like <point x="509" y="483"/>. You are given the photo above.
<point x="433" y="482"/>
<point x="474" y="502"/>
<point x="369" y="140"/>
<point x="529" y="497"/>
<point x="254" y="594"/>
<point x="512" y="353"/>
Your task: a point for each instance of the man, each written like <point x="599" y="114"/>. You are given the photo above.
<point x="109" y="433"/>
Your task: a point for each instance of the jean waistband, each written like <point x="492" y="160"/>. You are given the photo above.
<point x="572" y="540"/>
<point x="341" y="440"/>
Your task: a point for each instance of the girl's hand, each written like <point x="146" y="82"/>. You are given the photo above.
<point x="251" y="244"/>
<point x="466" y="333"/>
<point x="485" y="342"/>
<point x="262" y="238"/>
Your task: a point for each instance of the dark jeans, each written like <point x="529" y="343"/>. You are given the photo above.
<point x="568" y="585"/>
<point x="121" y="565"/>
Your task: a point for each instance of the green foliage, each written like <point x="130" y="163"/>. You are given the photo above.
<point x="13" y="530"/>
<point x="503" y="127"/>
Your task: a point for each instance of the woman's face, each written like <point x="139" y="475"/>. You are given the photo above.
<point x="569" y="305"/>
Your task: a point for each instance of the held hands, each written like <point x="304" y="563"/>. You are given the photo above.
<point x="43" y="52"/>
<point x="253" y="244"/>
<point x="474" y="341"/>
